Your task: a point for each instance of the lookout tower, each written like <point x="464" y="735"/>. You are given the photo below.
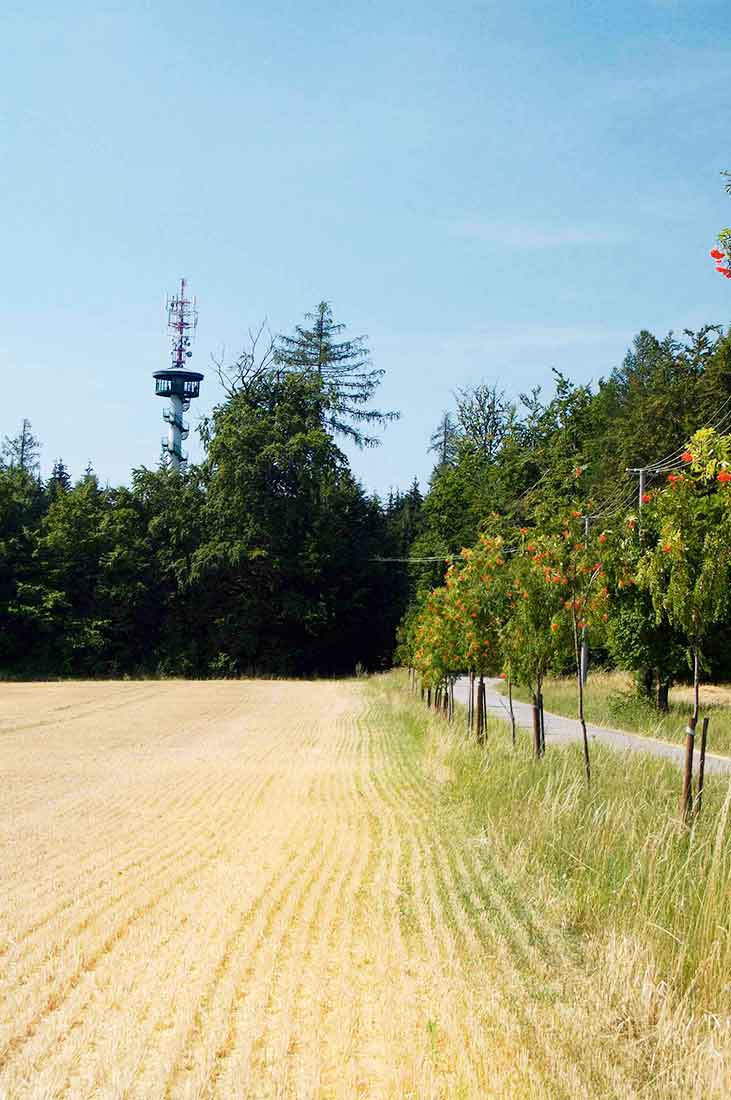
<point x="178" y="384"/>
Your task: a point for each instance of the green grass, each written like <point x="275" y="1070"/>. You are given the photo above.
<point x="614" y="861"/>
<point x="610" y="700"/>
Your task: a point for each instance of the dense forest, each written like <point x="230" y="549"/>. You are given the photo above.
<point x="262" y="559"/>
<point x="269" y="557"/>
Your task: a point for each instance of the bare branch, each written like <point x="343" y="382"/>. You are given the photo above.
<point x="253" y="364"/>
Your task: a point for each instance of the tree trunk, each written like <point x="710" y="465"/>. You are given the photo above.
<point x="480" y="711"/>
<point x="663" y="696"/>
<point x="428" y="698"/>
<point x="645" y="682"/>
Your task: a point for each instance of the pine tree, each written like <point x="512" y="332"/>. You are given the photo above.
<point x="349" y="380"/>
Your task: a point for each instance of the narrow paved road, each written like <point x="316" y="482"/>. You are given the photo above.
<point x="561" y="730"/>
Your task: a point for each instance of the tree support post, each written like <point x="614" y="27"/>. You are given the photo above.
<point x="686" y="806"/>
<point x="510" y="705"/>
<point x="687" y="796"/>
<point x="701" y="767"/>
<point x="536" y="726"/>
<point x="480" y="711"/>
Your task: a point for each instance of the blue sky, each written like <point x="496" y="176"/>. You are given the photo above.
<point x="486" y="189"/>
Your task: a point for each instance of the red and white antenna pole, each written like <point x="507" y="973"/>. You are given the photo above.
<point x="178" y="383"/>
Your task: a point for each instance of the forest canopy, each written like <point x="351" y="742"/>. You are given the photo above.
<point x="268" y="557"/>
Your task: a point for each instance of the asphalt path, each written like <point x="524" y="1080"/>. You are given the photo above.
<point x="561" y="730"/>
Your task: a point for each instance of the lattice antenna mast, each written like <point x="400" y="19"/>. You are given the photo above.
<point x="182" y="322"/>
<point x="178" y="383"/>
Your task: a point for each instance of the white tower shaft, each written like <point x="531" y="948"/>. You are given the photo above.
<point x="175" y="434"/>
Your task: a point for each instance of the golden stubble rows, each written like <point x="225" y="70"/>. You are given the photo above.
<point x="247" y="889"/>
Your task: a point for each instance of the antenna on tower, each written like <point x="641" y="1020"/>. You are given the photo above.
<point x="182" y="322"/>
<point x="178" y="383"/>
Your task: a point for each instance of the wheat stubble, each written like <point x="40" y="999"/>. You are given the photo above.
<point x="247" y="889"/>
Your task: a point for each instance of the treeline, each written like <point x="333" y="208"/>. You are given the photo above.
<point x="262" y="559"/>
<point x="554" y="474"/>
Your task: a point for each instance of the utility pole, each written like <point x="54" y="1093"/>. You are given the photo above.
<point x="642" y="471"/>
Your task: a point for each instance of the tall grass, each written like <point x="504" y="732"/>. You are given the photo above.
<point x="610" y="700"/>
<point x="612" y="861"/>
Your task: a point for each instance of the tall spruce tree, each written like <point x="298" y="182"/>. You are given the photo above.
<point x="443" y="441"/>
<point x="344" y="366"/>
<point x="22" y="451"/>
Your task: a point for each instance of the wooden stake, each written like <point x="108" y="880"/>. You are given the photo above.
<point x="687" y="795"/>
<point x="510" y="704"/>
<point x="536" y="726"/>
<point x="686" y="800"/>
<point x="701" y="767"/>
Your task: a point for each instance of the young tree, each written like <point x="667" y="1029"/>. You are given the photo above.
<point x="688" y="570"/>
<point x="529" y="638"/>
<point x="571" y="555"/>
<point x="349" y="381"/>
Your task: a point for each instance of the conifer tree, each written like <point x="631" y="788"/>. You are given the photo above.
<point x="348" y="377"/>
<point x="60" y="479"/>
<point x="443" y="441"/>
<point x="22" y="451"/>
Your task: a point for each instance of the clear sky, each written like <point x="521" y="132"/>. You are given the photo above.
<point x="485" y="189"/>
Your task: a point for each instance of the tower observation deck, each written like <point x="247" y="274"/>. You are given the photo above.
<point x="178" y="384"/>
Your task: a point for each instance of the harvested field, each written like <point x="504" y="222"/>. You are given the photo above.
<point x="254" y="889"/>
